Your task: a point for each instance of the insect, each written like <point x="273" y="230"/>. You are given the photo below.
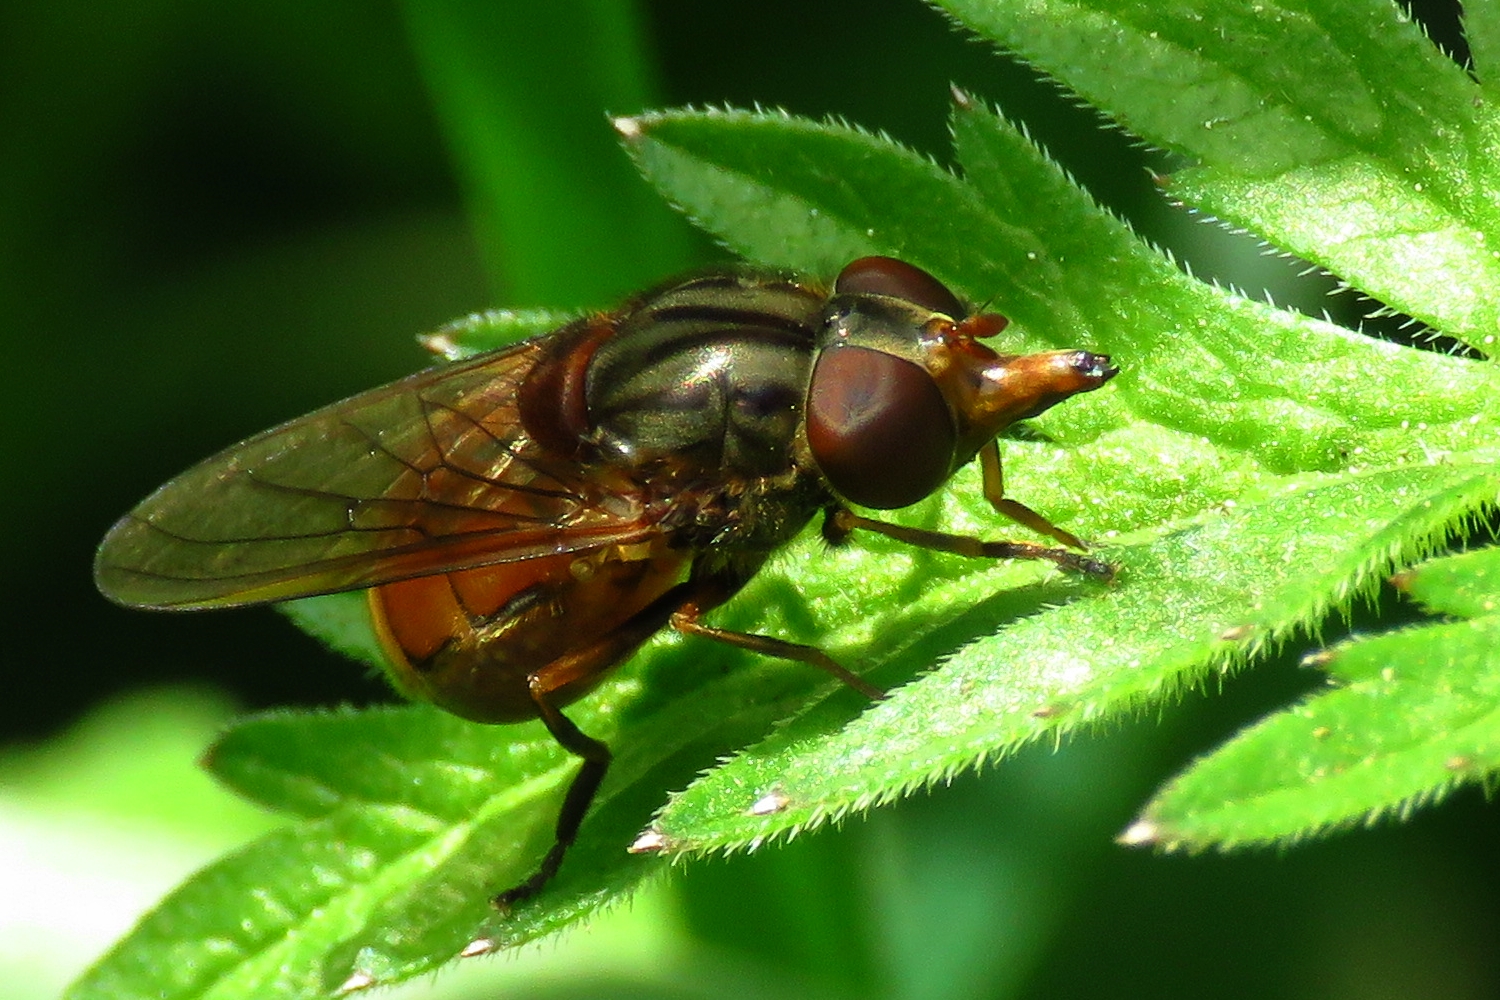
<point x="525" y="519"/>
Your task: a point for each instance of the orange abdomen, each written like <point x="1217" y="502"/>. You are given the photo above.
<point x="480" y="643"/>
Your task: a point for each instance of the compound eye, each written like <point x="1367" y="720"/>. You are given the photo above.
<point x="899" y="280"/>
<point x="878" y="427"/>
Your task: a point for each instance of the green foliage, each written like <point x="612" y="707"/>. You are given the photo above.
<point x="1252" y="471"/>
<point x="1412" y="714"/>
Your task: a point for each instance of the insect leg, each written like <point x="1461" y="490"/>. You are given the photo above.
<point x="682" y="606"/>
<point x="994" y="492"/>
<point x="588" y="661"/>
<point x="839" y="522"/>
<point x="685" y="620"/>
<point x="596" y="760"/>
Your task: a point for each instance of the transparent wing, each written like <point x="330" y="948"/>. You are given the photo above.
<point x="425" y="475"/>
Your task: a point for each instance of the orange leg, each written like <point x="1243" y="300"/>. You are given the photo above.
<point x="994" y="492"/>
<point x="840" y="522"/>
<point x="685" y="620"/>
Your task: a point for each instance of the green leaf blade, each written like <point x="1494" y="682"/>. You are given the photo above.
<point x="1299" y="394"/>
<point x="414" y="756"/>
<point x="298" y="890"/>
<point x="1335" y="130"/>
<point x="1413" y="718"/>
<point x="1192" y="601"/>
<point x="1377" y="229"/>
<point x="415" y="819"/>
<point x="1215" y="81"/>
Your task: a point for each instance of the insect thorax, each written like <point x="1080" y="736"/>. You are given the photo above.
<point x="708" y="375"/>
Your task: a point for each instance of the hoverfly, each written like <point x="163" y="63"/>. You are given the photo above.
<point x="525" y="519"/>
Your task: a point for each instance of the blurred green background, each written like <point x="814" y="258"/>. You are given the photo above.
<point x="217" y="217"/>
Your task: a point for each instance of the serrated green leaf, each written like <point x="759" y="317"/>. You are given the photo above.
<point x="1301" y="394"/>
<point x="1415" y="715"/>
<point x="424" y="759"/>
<point x="1331" y="128"/>
<point x="1250" y="87"/>
<point x="1194" y="600"/>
